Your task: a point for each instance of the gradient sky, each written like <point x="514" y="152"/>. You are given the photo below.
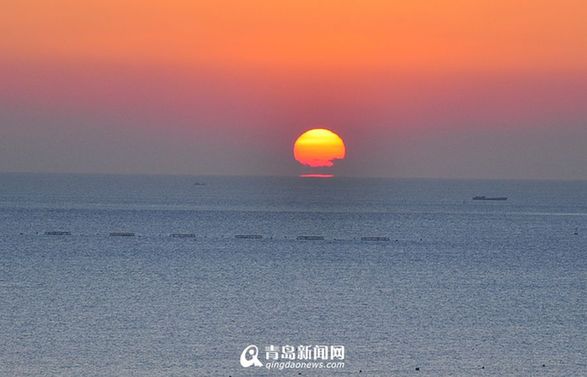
<point x="419" y="88"/>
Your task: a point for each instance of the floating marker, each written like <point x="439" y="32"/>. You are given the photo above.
<point x="183" y="235"/>
<point x="379" y="239"/>
<point x="310" y="238"/>
<point x="57" y="233"/>
<point x="122" y="234"/>
<point x="249" y="236"/>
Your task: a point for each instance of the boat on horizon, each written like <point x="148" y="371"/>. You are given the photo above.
<point x="483" y="197"/>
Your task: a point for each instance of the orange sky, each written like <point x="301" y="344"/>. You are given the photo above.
<point x="454" y="35"/>
<point x="429" y="88"/>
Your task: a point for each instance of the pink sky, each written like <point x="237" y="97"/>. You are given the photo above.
<point x="198" y="88"/>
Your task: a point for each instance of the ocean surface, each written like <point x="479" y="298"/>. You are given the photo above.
<point x="457" y="288"/>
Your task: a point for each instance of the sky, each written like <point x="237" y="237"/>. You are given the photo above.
<point x="420" y="88"/>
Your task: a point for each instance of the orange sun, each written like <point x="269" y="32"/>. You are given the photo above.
<point x="319" y="148"/>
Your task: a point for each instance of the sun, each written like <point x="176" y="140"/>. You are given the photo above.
<point x="319" y="148"/>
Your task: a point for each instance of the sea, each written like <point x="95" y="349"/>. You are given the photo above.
<point x="113" y="275"/>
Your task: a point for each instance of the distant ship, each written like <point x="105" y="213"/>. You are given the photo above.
<point x="490" y="198"/>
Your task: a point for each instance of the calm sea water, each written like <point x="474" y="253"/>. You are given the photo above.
<point x="462" y="287"/>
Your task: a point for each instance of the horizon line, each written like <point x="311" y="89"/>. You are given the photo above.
<point x="331" y="176"/>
